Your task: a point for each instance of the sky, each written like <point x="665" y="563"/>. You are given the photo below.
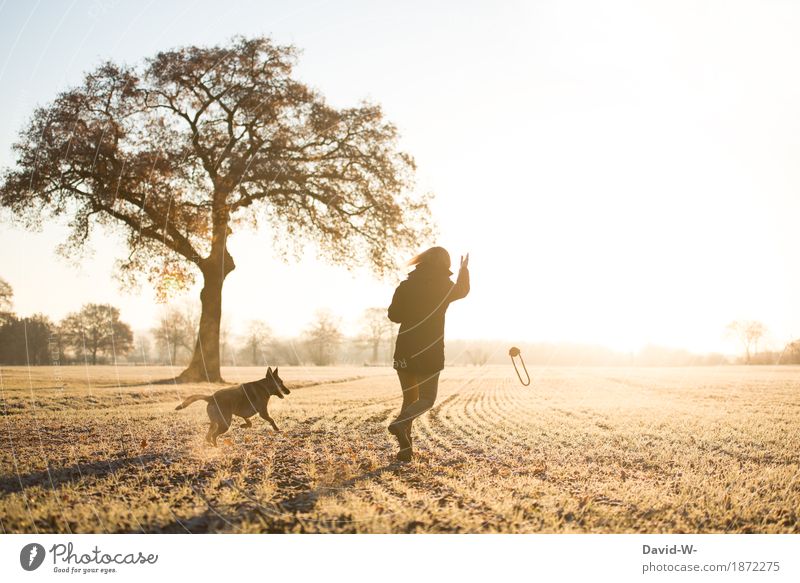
<point x="621" y="173"/>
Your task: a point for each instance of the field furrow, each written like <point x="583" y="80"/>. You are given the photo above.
<point x="580" y="450"/>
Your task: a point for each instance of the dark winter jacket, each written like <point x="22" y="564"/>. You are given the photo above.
<point x="419" y="305"/>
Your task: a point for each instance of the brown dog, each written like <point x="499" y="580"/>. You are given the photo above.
<point x="245" y="401"/>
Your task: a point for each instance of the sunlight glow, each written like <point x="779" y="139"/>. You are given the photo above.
<point x="614" y="184"/>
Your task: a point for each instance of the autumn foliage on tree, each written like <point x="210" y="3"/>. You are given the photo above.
<point x="179" y="153"/>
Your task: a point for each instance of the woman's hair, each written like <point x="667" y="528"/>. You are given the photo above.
<point x="435" y="256"/>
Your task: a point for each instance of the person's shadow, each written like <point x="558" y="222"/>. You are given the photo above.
<point x="278" y="517"/>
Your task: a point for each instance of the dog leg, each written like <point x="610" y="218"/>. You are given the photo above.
<point x="222" y="428"/>
<point x="211" y="436"/>
<point x="265" y="416"/>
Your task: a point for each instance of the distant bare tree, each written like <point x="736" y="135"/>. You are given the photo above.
<point x="477" y="355"/>
<point x="375" y="327"/>
<point x="176" y="330"/>
<point x="256" y="342"/>
<point x="792" y="353"/>
<point x="322" y="339"/>
<point x="96" y="329"/>
<point x="749" y="333"/>
<point x="225" y="355"/>
<point x="283" y="351"/>
<point x="141" y="349"/>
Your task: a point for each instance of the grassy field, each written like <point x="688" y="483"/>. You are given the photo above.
<point x="581" y="450"/>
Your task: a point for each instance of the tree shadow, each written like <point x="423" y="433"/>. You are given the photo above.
<point x="116" y="385"/>
<point x="52" y="478"/>
<point x="160" y="382"/>
<point x="179" y="381"/>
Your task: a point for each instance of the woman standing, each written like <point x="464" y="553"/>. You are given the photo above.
<point x="419" y="305"/>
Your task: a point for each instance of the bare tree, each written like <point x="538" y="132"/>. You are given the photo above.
<point x="199" y="141"/>
<point x="749" y="333"/>
<point x="141" y="348"/>
<point x="284" y="351"/>
<point x="375" y="328"/>
<point x="477" y="355"/>
<point x="322" y="339"/>
<point x="792" y="352"/>
<point x="225" y="355"/>
<point x="176" y="330"/>
<point x="256" y="342"/>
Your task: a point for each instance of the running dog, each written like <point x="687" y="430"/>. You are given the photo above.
<point x="245" y="401"/>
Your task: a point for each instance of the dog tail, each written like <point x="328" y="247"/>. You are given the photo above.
<point x="190" y="400"/>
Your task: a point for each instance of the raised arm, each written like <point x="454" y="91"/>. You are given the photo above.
<point x="461" y="287"/>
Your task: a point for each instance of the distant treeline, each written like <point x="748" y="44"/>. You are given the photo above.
<point x="477" y="352"/>
<point x="95" y="334"/>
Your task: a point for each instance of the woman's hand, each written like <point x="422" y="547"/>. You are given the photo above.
<point x="461" y="286"/>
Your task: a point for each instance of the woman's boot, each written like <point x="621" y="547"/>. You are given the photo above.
<point x="401" y="432"/>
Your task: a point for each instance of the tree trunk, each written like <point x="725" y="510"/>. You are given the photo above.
<point x="205" y="363"/>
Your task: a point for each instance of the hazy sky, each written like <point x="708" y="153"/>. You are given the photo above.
<point x="622" y="173"/>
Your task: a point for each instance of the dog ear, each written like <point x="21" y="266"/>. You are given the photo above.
<point x="269" y="373"/>
<point x="276" y="371"/>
